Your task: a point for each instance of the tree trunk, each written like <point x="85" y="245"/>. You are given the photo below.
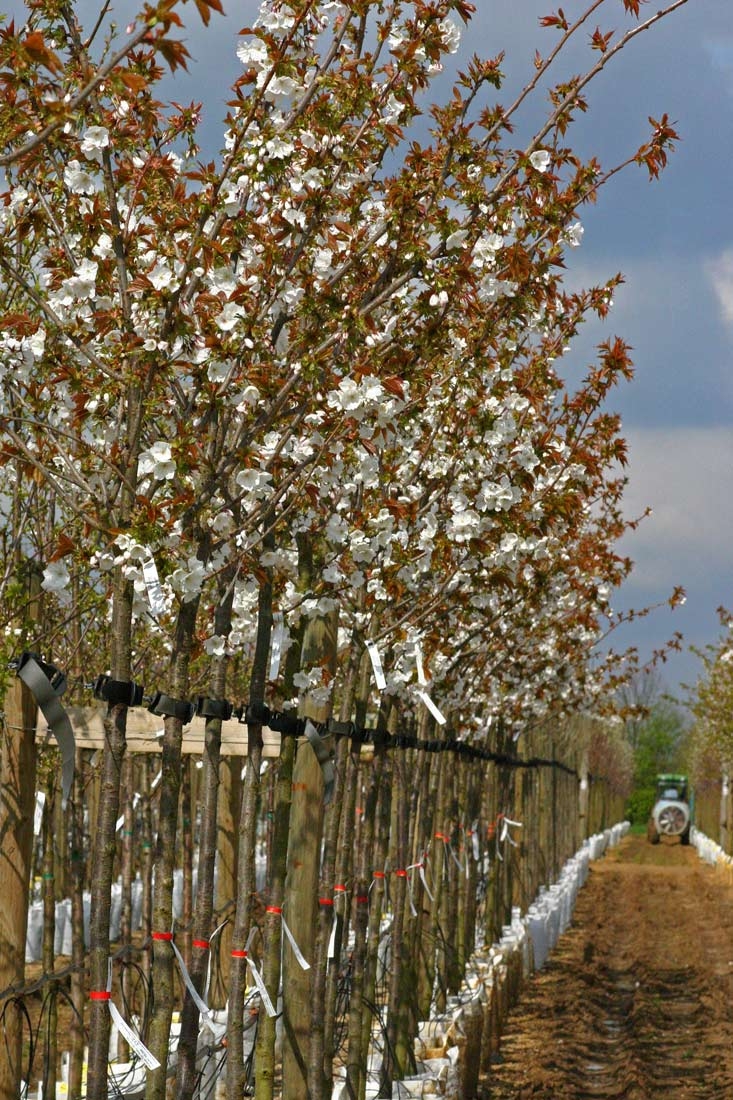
<point x="265" y="1067"/>
<point x="105" y="844"/>
<point x="401" y="978"/>
<point x="126" y="971"/>
<point x="229" y="824"/>
<point x="303" y="868"/>
<point x="245" y="845"/>
<point x="356" y="1053"/>
<point x="49" y="934"/>
<point x="202" y="925"/>
<point x="325" y="972"/>
<point x="17" y="802"/>
<point x="165" y="852"/>
<point x="78" y="948"/>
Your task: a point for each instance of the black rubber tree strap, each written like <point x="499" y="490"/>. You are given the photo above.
<point x="34" y="677"/>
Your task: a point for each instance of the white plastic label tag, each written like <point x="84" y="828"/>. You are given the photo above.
<point x="133" y="1039"/>
<point x="377" y="669"/>
<point x="296" y="950"/>
<point x="424" y="882"/>
<point x="38" y="813"/>
<point x="200" y="1003"/>
<point x="437" y="715"/>
<point x="277" y="644"/>
<point x="261" y="988"/>
<point x="156" y="597"/>
<point x="419" y="666"/>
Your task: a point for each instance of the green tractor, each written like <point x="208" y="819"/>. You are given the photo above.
<point x="671" y="814"/>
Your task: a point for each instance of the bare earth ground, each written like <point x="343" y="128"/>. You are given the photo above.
<point x="636" y="1002"/>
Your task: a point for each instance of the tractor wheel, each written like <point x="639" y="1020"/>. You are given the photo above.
<point x="651" y="833"/>
<point x="685" y="837"/>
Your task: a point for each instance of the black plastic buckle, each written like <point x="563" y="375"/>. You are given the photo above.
<point x="361" y="735"/>
<point x="118" y="691"/>
<point x="56" y="678"/>
<point x="339" y="729"/>
<point x="256" y="714"/>
<point x="382" y="739"/>
<point x="214" y="708"/>
<point x="167" y="707"/>
<point x="279" y="722"/>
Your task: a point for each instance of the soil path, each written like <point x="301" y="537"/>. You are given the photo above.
<point x="636" y="1002"/>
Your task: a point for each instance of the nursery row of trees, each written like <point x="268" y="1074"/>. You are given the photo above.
<point x="285" y="431"/>
<point x="431" y="853"/>
<point x="710" y="743"/>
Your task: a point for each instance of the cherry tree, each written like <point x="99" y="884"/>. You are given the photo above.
<point x="317" y="376"/>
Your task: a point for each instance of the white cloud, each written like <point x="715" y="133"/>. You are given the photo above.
<point x="685" y="476"/>
<point x="720" y="273"/>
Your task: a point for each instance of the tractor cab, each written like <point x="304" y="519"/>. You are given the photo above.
<point x="672" y="787"/>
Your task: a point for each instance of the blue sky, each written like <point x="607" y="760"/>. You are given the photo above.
<point x="672" y="239"/>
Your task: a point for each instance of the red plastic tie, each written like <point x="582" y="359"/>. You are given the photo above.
<point x="362" y="899"/>
<point x="239" y="954"/>
<point x="339" y="889"/>
<point x="203" y="944"/>
<point x="99" y="995"/>
<point x="325" y="901"/>
<point x="401" y="874"/>
<point x="277" y="909"/>
<point x="378" y="874"/>
<point x="165" y="936"/>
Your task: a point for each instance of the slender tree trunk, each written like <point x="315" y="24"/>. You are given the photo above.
<point x="165" y="851"/>
<point x="304" y="859"/>
<point x="325" y="973"/>
<point x="126" y="971"/>
<point x="356" y="1053"/>
<point x="146" y="805"/>
<point x="78" y="949"/>
<point x="229" y="813"/>
<point x="105" y="844"/>
<point x="187" y="839"/>
<point x="48" y="954"/>
<point x="247" y="848"/>
<point x="243" y="919"/>
<point x="473" y="840"/>
<point x="265" y="1066"/>
<point x="401" y="988"/>
<point x="453" y="918"/>
<point x="382" y="900"/>
<point x="17" y="804"/>
<point x="426" y="945"/>
<point x="583" y="799"/>
<point x="203" y="919"/>
<point x="321" y="1054"/>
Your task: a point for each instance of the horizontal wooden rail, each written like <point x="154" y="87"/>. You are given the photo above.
<point x="144" y="732"/>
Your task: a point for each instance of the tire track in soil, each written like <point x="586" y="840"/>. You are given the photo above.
<point x="636" y="1002"/>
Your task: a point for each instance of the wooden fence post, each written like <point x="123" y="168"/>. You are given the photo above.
<point x="17" y="799"/>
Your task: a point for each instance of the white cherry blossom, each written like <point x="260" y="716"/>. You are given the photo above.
<point x="80" y="180"/>
<point x="94" y="142"/>
<point x="56" y="579"/>
<point x="158" y="461"/>
<point x="540" y="160"/>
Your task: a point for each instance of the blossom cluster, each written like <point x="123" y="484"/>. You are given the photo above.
<point x="335" y="343"/>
